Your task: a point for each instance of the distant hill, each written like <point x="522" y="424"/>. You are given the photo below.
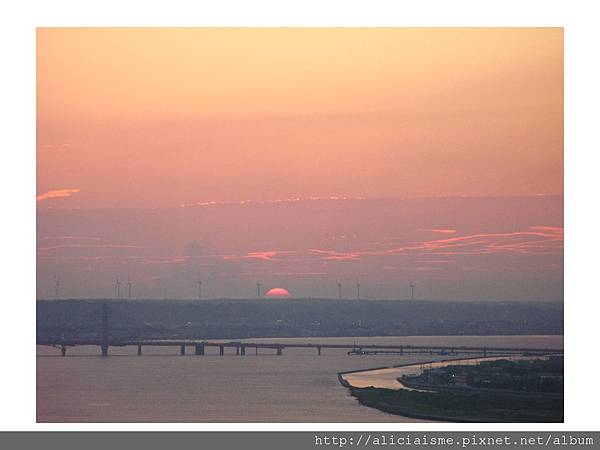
<point x="231" y="319"/>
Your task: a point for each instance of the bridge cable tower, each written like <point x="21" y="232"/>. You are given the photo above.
<point x="104" y="342"/>
<point x="56" y="287"/>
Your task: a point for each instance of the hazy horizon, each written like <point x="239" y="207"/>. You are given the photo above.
<point x="495" y="249"/>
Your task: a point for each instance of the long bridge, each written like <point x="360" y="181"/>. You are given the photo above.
<point x="241" y="347"/>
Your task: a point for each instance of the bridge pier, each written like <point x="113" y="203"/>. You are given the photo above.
<point x="401" y="350"/>
<point x="63" y="350"/>
<point x="182" y="350"/>
<point x="243" y="350"/>
<point x="279" y="351"/>
<point x="237" y="350"/>
<point x="484" y="352"/>
<point x="199" y="349"/>
<point x="221" y="350"/>
<point x="104" y="349"/>
<point x="256" y="348"/>
<point x="139" y="349"/>
<point x="319" y="350"/>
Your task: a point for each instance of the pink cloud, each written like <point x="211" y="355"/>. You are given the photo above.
<point x="331" y="255"/>
<point x="59" y="193"/>
<point x="536" y="240"/>
<point x="549" y="230"/>
<point x="267" y="202"/>
<point x="56" y="247"/>
<point x="263" y="255"/>
<point x="439" y="230"/>
<point x="165" y="260"/>
<point x="268" y="255"/>
<point x="70" y="238"/>
<point x="62" y="146"/>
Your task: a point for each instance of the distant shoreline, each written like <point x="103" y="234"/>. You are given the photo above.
<point x="296" y="318"/>
<point x="374" y="397"/>
<point x="398" y="366"/>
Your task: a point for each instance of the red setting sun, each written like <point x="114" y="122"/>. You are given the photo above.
<point x="278" y="293"/>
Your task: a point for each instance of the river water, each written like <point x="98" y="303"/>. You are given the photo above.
<point x="162" y="386"/>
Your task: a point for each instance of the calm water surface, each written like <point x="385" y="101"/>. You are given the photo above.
<point x="162" y="386"/>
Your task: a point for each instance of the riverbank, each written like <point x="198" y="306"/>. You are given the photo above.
<point x="461" y="407"/>
<point x="451" y="404"/>
<point x="395" y="376"/>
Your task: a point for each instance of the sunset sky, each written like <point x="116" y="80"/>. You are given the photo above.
<point x="292" y="155"/>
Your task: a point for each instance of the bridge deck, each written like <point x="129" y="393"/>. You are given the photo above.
<point x="281" y="345"/>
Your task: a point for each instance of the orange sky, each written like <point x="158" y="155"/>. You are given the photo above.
<point x="280" y="155"/>
<point x="164" y="117"/>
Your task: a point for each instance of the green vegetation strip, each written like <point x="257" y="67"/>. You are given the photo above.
<point x="461" y="407"/>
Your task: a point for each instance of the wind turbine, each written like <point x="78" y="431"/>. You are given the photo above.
<point x="339" y="285"/>
<point x="199" y="287"/>
<point x="118" y="289"/>
<point x="128" y="288"/>
<point x="412" y="290"/>
<point x="258" y="285"/>
<point x="357" y="290"/>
